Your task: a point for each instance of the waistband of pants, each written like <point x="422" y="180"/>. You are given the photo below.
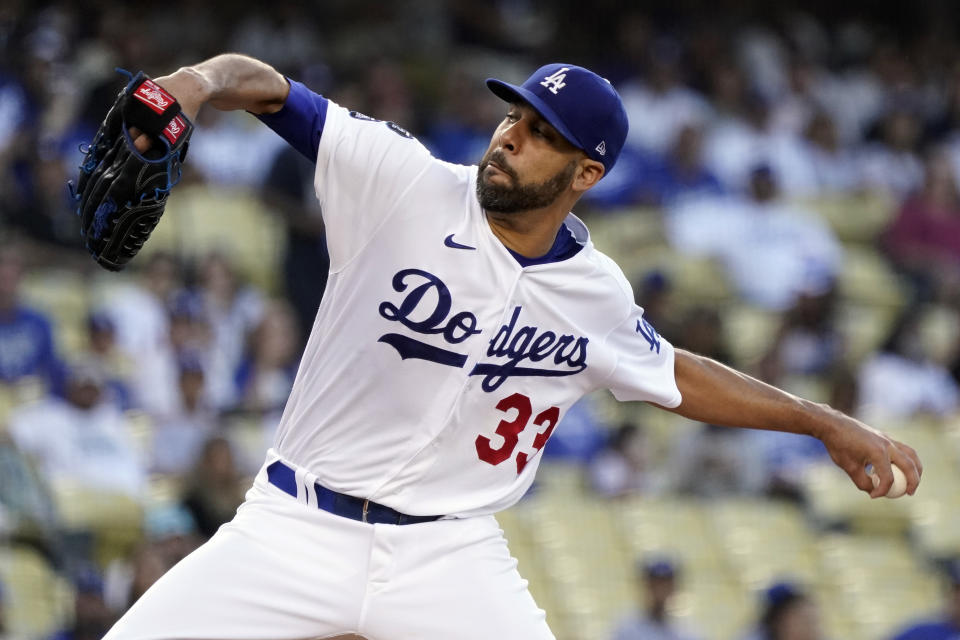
<point x="284" y="478"/>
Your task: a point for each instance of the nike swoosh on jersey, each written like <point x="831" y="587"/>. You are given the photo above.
<point x="449" y="242"/>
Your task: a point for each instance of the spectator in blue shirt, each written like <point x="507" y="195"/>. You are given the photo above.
<point x="91" y="616"/>
<point x="653" y="621"/>
<point x="26" y="337"/>
<point x="682" y="173"/>
<point x="946" y="626"/>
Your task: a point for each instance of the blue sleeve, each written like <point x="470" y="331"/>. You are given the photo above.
<point x="300" y="121"/>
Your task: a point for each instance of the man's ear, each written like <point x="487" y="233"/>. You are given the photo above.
<point x="588" y="174"/>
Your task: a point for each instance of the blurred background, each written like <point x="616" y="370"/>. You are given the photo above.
<point x="787" y="203"/>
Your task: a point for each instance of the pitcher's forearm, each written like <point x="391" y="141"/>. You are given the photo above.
<point x="717" y="394"/>
<point x="228" y="82"/>
<point x="714" y="393"/>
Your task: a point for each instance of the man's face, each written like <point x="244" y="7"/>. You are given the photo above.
<point x="11" y="272"/>
<point x="527" y="165"/>
<point x="799" y="622"/>
<point x="659" y="591"/>
<point x="953" y="605"/>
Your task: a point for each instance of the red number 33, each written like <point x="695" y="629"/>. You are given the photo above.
<point x="510" y="431"/>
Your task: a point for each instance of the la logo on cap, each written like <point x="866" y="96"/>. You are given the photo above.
<point x="555" y="81"/>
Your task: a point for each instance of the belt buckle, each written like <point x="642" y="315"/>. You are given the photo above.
<point x="366" y="505"/>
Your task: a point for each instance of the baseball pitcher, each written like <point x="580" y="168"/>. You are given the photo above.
<point x="466" y="310"/>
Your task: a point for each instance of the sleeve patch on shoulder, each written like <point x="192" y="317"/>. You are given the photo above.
<point x="649" y="334"/>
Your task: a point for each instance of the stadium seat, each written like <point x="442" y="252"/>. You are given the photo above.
<point x="856" y="217"/>
<point x="114" y="520"/>
<point x="765" y="542"/>
<point x="864" y="327"/>
<point x="38" y="600"/>
<point x="876" y="582"/>
<point x="748" y="331"/>
<point x="834" y="500"/>
<point x="866" y="278"/>
<point x="65" y="297"/>
<point x="627" y="231"/>
<point x="195" y="222"/>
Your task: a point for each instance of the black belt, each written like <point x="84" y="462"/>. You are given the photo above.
<point x="284" y="478"/>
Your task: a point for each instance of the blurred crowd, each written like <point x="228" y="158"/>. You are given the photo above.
<point x="744" y="123"/>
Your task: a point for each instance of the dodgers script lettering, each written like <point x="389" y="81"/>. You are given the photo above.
<point x="455" y="330"/>
<point x="426" y="309"/>
<point x="526" y="343"/>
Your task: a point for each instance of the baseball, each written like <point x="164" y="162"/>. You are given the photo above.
<point x="899" y="486"/>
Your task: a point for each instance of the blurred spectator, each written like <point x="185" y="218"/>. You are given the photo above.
<point x="170" y="534"/>
<point x="80" y="441"/>
<point x="179" y="437"/>
<point x="660" y="106"/>
<point x="947" y="625"/>
<point x="742" y="140"/>
<point x="715" y="461"/>
<point x="102" y="351"/>
<point x="281" y="32"/>
<point x="844" y="390"/>
<point x="91" y="616"/>
<point x="146" y="567"/>
<point x="949" y="127"/>
<point x="653" y="622"/>
<point x="215" y="489"/>
<point x="170" y="530"/>
<point x="232" y="311"/>
<point x="26" y="507"/>
<point x="139" y="313"/>
<point x="834" y="167"/>
<point x="26" y="337"/>
<point x="289" y="192"/>
<point x="903" y="378"/>
<point x="655" y="294"/>
<point x="139" y="309"/>
<point x="787" y="613"/>
<point x="891" y="165"/>
<point x="794" y="107"/>
<point x="265" y="376"/>
<point x="627" y="183"/>
<point x="924" y="239"/>
<point x="223" y="152"/>
<point x="16" y="110"/>
<point x="460" y="133"/>
<point x="773" y="251"/>
<point x="622" y="467"/>
<point x="579" y="435"/>
<point x="784" y="459"/>
<point x="701" y="331"/>
<point x="680" y="173"/>
<point x="808" y="342"/>
<point x="188" y="340"/>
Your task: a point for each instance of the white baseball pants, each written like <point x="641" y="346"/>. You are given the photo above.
<point x="285" y="570"/>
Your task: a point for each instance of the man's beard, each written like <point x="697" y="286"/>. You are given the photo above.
<point x="517" y="197"/>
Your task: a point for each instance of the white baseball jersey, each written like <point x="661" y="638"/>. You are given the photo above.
<point x="436" y="371"/>
<point x="438" y="366"/>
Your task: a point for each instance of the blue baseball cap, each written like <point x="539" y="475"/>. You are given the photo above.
<point x="781" y="592"/>
<point x="657" y="567"/>
<point x="578" y="103"/>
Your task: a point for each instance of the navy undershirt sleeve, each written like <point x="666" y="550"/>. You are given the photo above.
<point x="300" y="121"/>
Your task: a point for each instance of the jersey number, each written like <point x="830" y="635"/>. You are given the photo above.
<point x="510" y="431"/>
